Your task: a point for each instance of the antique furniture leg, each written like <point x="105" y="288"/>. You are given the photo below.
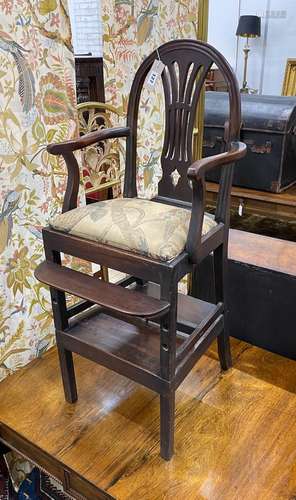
<point x="58" y="300"/>
<point x="105" y="273"/>
<point x="168" y="327"/>
<point x="220" y="264"/>
<point x="68" y="373"/>
<point x="167" y="424"/>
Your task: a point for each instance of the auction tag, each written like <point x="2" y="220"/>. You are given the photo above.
<point x="240" y="208"/>
<point x="154" y="74"/>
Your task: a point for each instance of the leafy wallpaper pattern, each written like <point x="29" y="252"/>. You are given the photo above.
<point x="132" y="30"/>
<point x="37" y="106"/>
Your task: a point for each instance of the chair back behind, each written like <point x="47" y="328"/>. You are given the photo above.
<point x="101" y="161"/>
<point x="187" y="63"/>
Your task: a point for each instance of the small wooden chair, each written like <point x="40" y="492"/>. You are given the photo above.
<point x="100" y="161"/>
<point x="156" y="242"/>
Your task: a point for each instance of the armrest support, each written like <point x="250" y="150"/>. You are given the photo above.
<point x="196" y="173"/>
<point x="66" y="150"/>
<point x="199" y="168"/>
<point x="87" y="140"/>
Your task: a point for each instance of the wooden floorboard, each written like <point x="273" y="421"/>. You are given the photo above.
<point x="235" y="432"/>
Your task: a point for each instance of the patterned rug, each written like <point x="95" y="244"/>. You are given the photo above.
<point x="6" y="489"/>
<point x="40" y="486"/>
<point x="37" y="485"/>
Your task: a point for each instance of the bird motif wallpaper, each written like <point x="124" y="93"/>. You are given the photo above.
<point x="37" y="106"/>
<point x="132" y="30"/>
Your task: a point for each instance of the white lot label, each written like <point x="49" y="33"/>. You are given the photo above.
<point x="154" y="73"/>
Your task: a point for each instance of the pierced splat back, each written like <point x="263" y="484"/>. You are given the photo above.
<point x="187" y="63"/>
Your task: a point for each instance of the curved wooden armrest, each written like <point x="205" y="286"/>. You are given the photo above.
<point x="87" y="140"/>
<point x="196" y="172"/>
<point x="198" y="169"/>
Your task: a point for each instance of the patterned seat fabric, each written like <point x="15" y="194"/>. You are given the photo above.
<point x="142" y="226"/>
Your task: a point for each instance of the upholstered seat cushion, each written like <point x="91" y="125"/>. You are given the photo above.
<point x="141" y="226"/>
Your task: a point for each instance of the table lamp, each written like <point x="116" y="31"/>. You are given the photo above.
<point x="248" y="27"/>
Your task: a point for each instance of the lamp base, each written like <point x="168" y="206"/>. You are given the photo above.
<point x="244" y="90"/>
<point x="248" y="90"/>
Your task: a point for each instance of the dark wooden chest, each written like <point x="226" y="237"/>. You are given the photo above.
<point x="268" y="129"/>
<point x="260" y="290"/>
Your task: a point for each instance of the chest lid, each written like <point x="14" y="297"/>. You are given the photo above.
<point x="259" y="112"/>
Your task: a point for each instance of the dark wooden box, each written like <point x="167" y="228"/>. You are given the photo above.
<point x="268" y="129"/>
<point x="261" y="291"/>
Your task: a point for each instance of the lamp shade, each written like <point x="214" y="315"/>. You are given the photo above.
<point x="249" y="26"/>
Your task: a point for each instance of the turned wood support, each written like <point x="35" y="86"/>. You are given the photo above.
<point x="60" y="316"/>
<point x="168" y="327"/>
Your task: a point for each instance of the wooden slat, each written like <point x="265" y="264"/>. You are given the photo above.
<point x="129" y="348"/>
<point x="112" y="257"/>
<point x="82" y="305"/>
<point x="107" y="295"/>
<point x="198" y="332"/>
<point x="191" y="311"/>
<point x="201" y="346"/>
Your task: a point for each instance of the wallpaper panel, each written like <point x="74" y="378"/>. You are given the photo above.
<point x="132" y="30"/>
<point x="37" y="106"/>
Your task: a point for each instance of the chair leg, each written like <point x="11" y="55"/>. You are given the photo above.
<point x="168" y="326"/>
<point x="220" y="264"/>
<point x="65" y="356"/>
<point x="167" y="425"/>
<point x="59" y="308"/>
<point x="68" y="373"/>
<point x="105" y="273"/>
<point x="224" y="350"/>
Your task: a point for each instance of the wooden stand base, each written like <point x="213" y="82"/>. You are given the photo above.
<point x="131" y="329"/>
<point x="106" y="445"/>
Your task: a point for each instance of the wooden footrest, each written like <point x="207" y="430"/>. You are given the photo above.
<point x="107" y="295"/>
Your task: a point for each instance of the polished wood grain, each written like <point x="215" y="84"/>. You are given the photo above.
<point x="262" y="251"/>
<point x="87" y="140"/>
<point x="235" y="430"/>
<point x="131" y="346"/>
<point x="99" y="292"/>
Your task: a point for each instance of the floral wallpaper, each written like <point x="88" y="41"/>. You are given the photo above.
<point x="37" y="106"/>
<point x="132" y="30"/>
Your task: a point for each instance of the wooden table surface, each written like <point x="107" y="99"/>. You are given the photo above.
<point x="262" y="251"/>
<point x="235" y="432"/>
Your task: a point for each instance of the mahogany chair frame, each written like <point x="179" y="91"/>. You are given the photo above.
<point x="181" y="98"/>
